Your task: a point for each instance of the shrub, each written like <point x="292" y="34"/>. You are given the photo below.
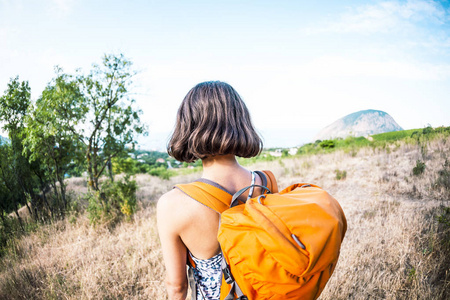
<point x="415" y="134"/>
<point x="427" y="130"/>
<point x="340" y="175"/>
<point x="161" y="172"/>
<point x="444" y="217"/>
<point x="419" y="168"/>
<point x="126" y="192"/>
<point x="443" y="179"/>
<point x="307" y="148"/>
<point x="95" y="209"/>
<point x="114" y="201"/>
<point x="327" y="144"/>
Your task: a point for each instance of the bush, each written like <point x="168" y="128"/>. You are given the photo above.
<point x="114" y="201"/>
<point x="415" y="134"/>
<point x="443" y="179"/>
<point x="327" y="144"/>
<point x="444" y="217"/>
<point x="161" y="172"/>
<point x="96" y="210"/>
<point x="340" y="175"/>
<point x="427" y="130"/>
<point x="307" y="148"/>
<point x="419" y="168"/>
<point x="126" y="192"/>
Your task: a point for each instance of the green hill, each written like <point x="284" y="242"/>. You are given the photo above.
<point x="376" y="140"/>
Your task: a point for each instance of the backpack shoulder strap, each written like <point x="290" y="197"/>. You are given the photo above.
<point x="209" y="195"/>
<point x="269" y="180"/>
<point x="216" y="198"/>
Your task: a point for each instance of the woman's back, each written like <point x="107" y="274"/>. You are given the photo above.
<point x="197" y="224"/>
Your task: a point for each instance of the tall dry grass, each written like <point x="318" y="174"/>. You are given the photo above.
<point x="394" y="247"/>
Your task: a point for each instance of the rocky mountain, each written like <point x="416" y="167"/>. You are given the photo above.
<point x="361" y="123"/>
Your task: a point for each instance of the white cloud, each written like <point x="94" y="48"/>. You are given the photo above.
<point x="387" y="17"/>
<point x="336" y="66"/>
<point x="61" y="8"/>
<point x="8" y="4"/>
<point x="57" y="8"/>
<point x="402" y="39"/>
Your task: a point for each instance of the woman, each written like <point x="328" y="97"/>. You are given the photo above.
<point x="213" y="124"/>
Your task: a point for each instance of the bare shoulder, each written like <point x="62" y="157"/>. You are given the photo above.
<point x="175" y="207"/>
<point x="172" y="202"/>
<point x="180" y="208"/>
<point x="171" y="199"/>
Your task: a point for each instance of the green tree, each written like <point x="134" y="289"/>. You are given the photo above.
<point x="6" y="203"/>
<point x="11" y="195"/>
<point x="53" y="136"/>
<point x="14" y="105"/>
<point x="16" y="172"/>
<point x="112" y="122"/>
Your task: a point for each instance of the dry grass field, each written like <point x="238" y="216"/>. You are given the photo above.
<point x="395" y="246"/>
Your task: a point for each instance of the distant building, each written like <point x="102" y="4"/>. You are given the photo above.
<point x="293" y="151"/>
<point x="279" y="152"/>
<point x="161" y="160"/>
<point x="276" y="153"/>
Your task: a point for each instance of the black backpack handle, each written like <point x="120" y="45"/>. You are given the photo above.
<point x="235" y="201"/>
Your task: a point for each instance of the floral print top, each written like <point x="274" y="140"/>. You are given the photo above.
<point x="208" y="275"/>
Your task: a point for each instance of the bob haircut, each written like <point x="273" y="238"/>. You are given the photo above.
<point x="213" y="120"/>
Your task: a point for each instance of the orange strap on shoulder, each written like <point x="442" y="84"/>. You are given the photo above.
<point x="271" y="181"/>
<point x="216" y="198"/>
<point x="209" y="195"/>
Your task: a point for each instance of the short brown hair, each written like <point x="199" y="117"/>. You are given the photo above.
<point x="213" y="120"/>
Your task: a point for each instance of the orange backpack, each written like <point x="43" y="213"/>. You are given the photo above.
<point x="278" y="245"/>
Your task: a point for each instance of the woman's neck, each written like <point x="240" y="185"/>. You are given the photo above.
<point x="219" y="168"/>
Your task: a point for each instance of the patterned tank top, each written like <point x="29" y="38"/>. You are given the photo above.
<point x="208" y="275"/>
<point x="208" y="272"/>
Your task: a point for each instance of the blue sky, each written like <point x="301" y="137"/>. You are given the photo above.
<point x="299" y="65"/>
